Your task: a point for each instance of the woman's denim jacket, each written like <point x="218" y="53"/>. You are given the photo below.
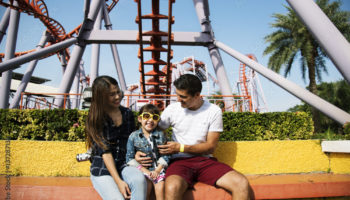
<point x="138" y="142"/>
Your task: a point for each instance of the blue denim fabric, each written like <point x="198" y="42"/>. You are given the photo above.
<point x="137" y="142"/>
<point x="108" y="189"/>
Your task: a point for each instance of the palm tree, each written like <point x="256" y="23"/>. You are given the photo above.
<point x="292" y="40"/>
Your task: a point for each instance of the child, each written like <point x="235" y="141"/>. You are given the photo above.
<point x="146" y="140"/>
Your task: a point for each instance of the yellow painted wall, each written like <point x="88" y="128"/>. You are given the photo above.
<point x="340" y="163"/>
<point x="41" y="158"/>
<point x="266" y="157"/>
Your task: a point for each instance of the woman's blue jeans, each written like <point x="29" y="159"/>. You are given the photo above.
<point x="108" y="189"/>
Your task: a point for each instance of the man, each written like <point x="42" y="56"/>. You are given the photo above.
<point x="196" y="126"/>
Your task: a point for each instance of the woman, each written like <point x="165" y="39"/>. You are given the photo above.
<point x="108" y="127"/>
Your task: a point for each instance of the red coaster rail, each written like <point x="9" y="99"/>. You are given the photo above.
<point x="38" y="9"/>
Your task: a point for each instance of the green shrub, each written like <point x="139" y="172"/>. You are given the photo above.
<point x="69" y="125"/>
<point x="247" y="126"/>
<point x="57" y="124"/>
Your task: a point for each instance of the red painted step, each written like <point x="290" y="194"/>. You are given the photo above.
<point x="265" y="187"/>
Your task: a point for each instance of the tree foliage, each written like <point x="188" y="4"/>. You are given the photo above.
<point x="336" y="93"/>
<point x="292" y="41"/>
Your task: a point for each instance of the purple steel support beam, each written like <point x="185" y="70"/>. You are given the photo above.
<point x="128" y="37"/>
<point x="4" y="23"/>
<point x="28" y="74"/>
<point x="202" y="9"/>
<point x="82" y="76"/>
<point x="77" y="53"/>
<point x="95" y="48"/>
<point x="9" y="53"/>
<point x="328" y="109"/>
<point x="115" y="53"/>
<point x="17" y="61"/>
<point x="75" y="90"/>
<point x="326" y="33"/>
<point x="63" y="60"/>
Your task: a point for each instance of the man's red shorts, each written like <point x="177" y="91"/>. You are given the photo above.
<point x="198" y="169"/>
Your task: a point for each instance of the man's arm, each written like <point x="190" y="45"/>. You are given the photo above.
<point x="204" y="148"/>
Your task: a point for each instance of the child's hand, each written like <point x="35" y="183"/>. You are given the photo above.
<point x="154" y="174"/>
<point x="146" y="171"/>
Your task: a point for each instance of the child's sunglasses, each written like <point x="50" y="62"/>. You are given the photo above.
<point x="146" y="116"/>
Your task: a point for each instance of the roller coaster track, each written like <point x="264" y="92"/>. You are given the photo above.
<point x="38" y="9"/>
<point x="156" y="84"/>
<point x="199" y="68"/>
<point x="243" y="77"/>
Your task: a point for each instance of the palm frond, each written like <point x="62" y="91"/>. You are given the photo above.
<point x="291" y="39"/>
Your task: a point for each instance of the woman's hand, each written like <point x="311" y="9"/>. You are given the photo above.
<point x="124" y="189"/>
<point x="141" y="158"/>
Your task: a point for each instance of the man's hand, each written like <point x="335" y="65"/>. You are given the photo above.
<point x="141" y="158"/>
<point x="169" y="148"/>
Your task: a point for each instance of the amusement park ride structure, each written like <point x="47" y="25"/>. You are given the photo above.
<point x="249" y="86"/>
<point x="156" y="77"/>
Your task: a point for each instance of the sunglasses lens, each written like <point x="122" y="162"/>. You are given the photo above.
<point x="155" y="117"/>
<point x="146" y="115"/>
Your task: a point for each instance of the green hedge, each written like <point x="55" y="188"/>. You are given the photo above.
<point x="69" y="125"/>
<point x="58" y="124"/>
<point x="247" y="126"/>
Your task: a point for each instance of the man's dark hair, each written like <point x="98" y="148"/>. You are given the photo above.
<point x="190" y="83"/>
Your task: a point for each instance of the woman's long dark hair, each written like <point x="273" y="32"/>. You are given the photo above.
<point x="94" y="123"/>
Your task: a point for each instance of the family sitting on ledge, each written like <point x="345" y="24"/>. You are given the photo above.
<point x="128" y="163"/>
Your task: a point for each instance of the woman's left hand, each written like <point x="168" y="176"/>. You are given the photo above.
<point x="124" y="189"/>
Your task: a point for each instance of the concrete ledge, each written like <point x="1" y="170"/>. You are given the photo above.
<point x="341" y="146"/>
<point x="290" y="186"/>
<point x="49" y="188"/>
<point x="285" y="186"/>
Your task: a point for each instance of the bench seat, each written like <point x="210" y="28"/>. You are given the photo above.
<point x="282" y="186"/>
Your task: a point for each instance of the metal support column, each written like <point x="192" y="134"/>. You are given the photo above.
<point x="95" y="48"/>
<point x="82" y="76"/>
<point x="75" y="90"/>
<point x="115" y="53"/>
<point x="77" y="53"/>
<point x="17" y="61"/>
<point x="28" y="74"/>
<point x="313" y="100"/>
<point x="4" y="23"/>
<point x="63" y="60"/>
<point x="326" y="33"/>
<point x="9" y="53"/>
<point x="202" y="9"/>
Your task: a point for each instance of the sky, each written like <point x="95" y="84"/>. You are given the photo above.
<point x="240" y="24"/>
